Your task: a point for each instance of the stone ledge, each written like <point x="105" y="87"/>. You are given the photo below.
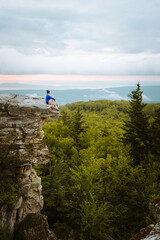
<point x="20" y="106"/>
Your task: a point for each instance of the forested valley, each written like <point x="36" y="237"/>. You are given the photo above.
<point x="104" y="168"/>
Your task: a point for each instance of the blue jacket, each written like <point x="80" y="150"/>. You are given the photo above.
<point x="48" y="97"/>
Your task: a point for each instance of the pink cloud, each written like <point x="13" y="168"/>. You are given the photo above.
<point x="41" y="78"/>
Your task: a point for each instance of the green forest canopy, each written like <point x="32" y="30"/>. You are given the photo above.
<point x="94" y="182"/>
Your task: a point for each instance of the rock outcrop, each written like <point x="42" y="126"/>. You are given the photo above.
<point x="152" y="232"/>
<point x="34" y="227"/>
<point x="21" y="135"/>
<point x="155" y="209"/>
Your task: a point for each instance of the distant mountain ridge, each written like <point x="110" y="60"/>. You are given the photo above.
<point x="65" y="85"/>
<point x="21" y="85"/>
<point x="151" y="94"/>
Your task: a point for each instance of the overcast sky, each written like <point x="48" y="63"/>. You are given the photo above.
<point x="106" y="37"/>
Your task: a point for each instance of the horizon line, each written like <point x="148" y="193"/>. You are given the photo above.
<point x="37" y="78"/>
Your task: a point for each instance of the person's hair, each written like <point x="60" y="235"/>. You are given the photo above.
<point x="48" y="91"/>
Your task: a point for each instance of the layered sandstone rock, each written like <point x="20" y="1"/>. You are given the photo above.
<point x="152" y="232"/>
<point x="21" y="135"/>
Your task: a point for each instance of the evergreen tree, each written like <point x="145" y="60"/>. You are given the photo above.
<point x="137" y="128"/>
<point x="155" y="134"/>
<point x="65" y="118"/>
<point x="77" y="126"/>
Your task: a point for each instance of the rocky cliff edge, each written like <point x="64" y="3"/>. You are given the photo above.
<point x="21" y="136"/>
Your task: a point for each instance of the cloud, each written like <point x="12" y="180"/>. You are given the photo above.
<point x="111" y="95"/>
<point x="145" y="98"/>
<point x="115" y="96"/>
<point x="76" y="61"/>
<point x="107" y="91"/>
<point x="75" y="36"/>
<point x="107" y="94"/>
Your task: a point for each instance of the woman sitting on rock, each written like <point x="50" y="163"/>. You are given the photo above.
<point x="50" y="100"/>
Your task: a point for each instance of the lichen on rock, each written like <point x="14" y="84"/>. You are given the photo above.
<point x="21" y="135"/>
